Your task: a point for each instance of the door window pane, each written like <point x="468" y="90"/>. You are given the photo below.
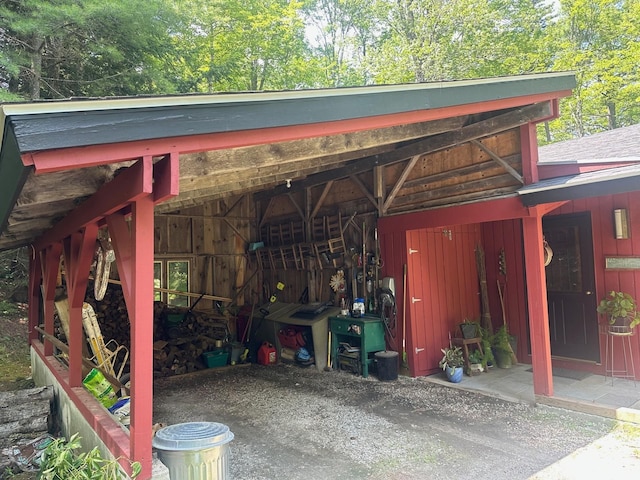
<point x="564" y="273"/>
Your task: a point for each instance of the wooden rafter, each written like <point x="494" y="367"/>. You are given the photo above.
<point x="512" y="171"/>
<point x="399" y="183"/>
<point x="364" y="189"/>
<point x="320" y="201"/>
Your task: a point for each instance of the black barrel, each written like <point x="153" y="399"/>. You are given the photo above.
<point x="387" y="365"/>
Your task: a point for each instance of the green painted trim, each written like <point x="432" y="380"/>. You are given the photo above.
<point x="68" y="124"/>
<point x="13" y="175"/>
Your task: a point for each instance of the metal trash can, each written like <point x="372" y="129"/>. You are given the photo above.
<point x="195" y="450"/>
<point x="387" y="365"/>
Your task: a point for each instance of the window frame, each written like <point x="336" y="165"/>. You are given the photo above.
<point x="164" y="261"/>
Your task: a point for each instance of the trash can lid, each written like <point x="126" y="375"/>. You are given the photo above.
<point x="192" y="436"/>
<point x="386" y="354"/>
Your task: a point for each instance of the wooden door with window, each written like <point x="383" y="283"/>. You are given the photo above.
<point x="573" y="321"/>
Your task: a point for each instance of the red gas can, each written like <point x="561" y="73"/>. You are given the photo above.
<point x="267" y="354"/>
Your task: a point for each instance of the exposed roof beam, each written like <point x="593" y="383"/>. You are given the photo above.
<point x="332" y="148"/>
<point x="483" y="128"/>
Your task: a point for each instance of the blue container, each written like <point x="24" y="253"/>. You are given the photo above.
<point x="195" y="450"/>
<point x="454" y="374"/>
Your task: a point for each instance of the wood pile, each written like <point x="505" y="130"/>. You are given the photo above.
<point x="180" y="337"/>
<point x="24" y="414"/>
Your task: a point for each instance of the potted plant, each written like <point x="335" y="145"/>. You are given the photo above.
<point x="475" y="360"/>
<point x="621" y="310"/>
<point x="469" y="329"/>
<point x="487" y="360"/>
<point x="501" y="347"/>
<point x="452" y="363"/>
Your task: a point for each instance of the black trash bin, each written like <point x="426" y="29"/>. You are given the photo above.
<point x="387" y="365"/>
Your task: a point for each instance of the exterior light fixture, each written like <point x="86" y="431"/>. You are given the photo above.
<point x="620" y="224"/>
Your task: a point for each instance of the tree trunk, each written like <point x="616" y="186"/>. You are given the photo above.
<point x="24" y="414"/>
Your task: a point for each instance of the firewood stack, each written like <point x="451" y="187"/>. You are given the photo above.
<point x="178" y="345"/>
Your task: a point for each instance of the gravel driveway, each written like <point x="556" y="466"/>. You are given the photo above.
<point x="296" y="423"/>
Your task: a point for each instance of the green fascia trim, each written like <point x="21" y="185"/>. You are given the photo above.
<point x="13" y="175"/>
<point x="68" y="124"/>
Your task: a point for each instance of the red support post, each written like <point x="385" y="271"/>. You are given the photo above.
<point x="141" y="316"/>
<point x="537" y="304"/>
<point x="78" y="251"/>
<point x="35" y="295"/>
<point x="529" y="146"/>
<point x="50" y="262"/>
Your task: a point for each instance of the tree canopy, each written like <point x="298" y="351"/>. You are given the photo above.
<point x="71" y="48"/>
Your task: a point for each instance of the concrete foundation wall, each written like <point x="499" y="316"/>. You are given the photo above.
<point x="71" y="420"/>
<point x="67" y="414"/>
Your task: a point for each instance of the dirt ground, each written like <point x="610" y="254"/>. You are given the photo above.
<point x="296" y="423"/>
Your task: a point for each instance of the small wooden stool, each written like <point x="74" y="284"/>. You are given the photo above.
<point x="464" y="343"/>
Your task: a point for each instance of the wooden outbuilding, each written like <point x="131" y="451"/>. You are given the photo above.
<point x="230" y="195"/>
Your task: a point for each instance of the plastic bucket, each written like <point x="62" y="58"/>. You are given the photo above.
<point x="387" y="365"/>
<point x="236" y="351"/>
<point x="195" y="450"/>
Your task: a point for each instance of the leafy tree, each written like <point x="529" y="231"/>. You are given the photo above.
<point x="600" y="40"/>
<point x="68" y="48"/>
<point x="342" y="34"/>
<point x="230" y="45"/>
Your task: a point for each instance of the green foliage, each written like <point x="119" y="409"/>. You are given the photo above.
<point x="452" y="357"/>
<point x="61" y="462"/>
<point x="619" y="305"/>
<point x="500" y="340"/>
<point x="109" y="47"/>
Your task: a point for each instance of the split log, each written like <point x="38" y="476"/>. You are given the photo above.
<point x="24" y="414"/>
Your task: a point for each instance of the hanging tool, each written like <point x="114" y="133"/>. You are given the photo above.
<point x="404" y="314"/>
<point x="274" y="297"/>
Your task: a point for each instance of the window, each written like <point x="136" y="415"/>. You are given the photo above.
<point x="172" y="275"/>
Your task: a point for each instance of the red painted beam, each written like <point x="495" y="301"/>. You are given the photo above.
<point x="79" y="157"/>
<point x="487" y="211"/>
<point x="123" y="247"/>
<point x="537" y="305"/>
<point x="135" y="182"/>
<point x="166" y="176"/>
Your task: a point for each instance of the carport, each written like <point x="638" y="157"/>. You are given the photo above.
<point x="71" y="168"/>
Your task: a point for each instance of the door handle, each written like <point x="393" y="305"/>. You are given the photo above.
<point x="588" y="292"/>
<point x="414" y="299"/>
<point x="418" y="350"/>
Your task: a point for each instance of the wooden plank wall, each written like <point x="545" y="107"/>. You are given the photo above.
<point x="508" y="235"/>
<point x="216" y="238"/>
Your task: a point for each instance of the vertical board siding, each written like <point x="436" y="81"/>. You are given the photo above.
<point x="446" y="282"/>
<point x="507" y="234"/>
